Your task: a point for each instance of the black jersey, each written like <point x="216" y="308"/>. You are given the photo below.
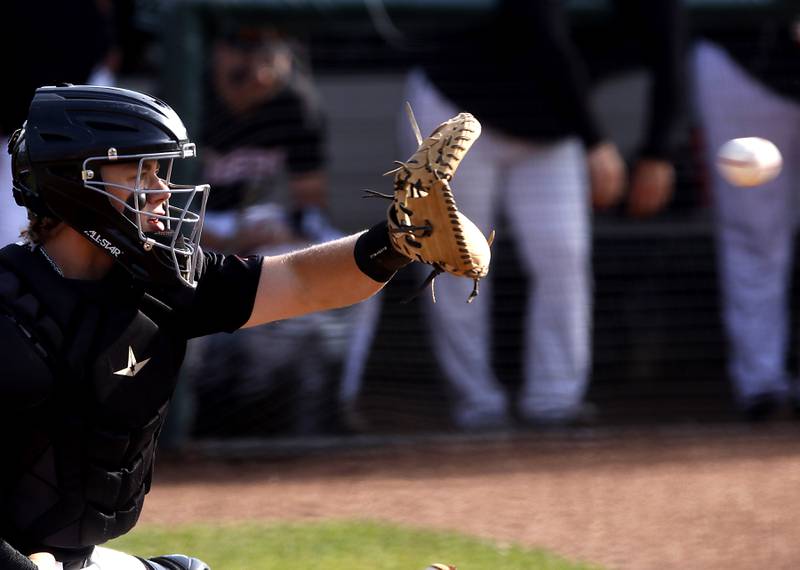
<point x="89" y="368"/>
<point x="246" y="156"/>
<point x="524" y="56"/>
<point x="766" y="45"/>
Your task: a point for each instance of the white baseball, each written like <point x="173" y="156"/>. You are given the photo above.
<point x="749" y="161"/>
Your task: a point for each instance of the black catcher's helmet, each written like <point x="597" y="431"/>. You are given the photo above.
<point x="73" y="130"/>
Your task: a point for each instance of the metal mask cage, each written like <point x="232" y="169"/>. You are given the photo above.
<point x="183" y="224"/>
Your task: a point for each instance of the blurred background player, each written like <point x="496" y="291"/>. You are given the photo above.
<point x="265" y="133"/>
<point x="544" y="160"/>
<point x="75" y="44"/>
<point x="264" y="136"/>
<point x="747" y="83"/>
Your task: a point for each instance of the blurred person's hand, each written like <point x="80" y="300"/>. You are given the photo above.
<point x="45" y="561"/>
<point x="248" y="231"/>
<point x="652" y="184"/>
<point x="262" y="226"/>
<point x="606" y="174"/>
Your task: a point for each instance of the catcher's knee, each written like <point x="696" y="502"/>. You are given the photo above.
<point x="175" y="562"/>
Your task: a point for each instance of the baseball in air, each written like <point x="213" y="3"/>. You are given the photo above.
<point x="749" y="161"/>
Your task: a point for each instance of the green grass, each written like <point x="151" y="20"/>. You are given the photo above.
<point x="334" y="546"/>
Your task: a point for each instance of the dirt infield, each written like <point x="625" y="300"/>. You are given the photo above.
<point x="699" y="498"/>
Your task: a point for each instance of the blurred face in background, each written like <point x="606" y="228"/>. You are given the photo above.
<point x="250" y="68"/>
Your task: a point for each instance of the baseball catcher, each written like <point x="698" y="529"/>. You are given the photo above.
<point x="99" y="300"/>
<point x="424" y="222"/>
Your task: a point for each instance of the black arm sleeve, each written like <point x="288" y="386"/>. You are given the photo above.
<point x="659" y="27"/>
<point x="11" y="559"/>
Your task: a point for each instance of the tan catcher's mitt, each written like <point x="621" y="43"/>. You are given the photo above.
<point x="424" y="221"/>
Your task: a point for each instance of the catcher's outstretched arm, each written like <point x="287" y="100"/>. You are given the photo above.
<point x="326" y="276"/>
<point x="313" y="279"/>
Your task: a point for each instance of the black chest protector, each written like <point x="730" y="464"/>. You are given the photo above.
<point x="88" y="449"/>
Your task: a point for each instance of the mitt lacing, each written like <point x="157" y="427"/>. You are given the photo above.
<point x="416" y="190"/>
<point x="426" y="229"/>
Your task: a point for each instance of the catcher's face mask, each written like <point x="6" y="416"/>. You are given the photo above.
<point x="166" y="217"/>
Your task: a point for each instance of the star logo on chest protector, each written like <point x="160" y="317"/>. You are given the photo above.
<point x="133" y="367"/>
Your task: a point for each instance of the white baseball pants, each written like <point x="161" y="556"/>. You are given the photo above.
<point x="544" y="190"/>
<point x="755" y="226"/>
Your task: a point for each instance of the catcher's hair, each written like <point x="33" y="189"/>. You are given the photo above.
<point x="38" y="230"/>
